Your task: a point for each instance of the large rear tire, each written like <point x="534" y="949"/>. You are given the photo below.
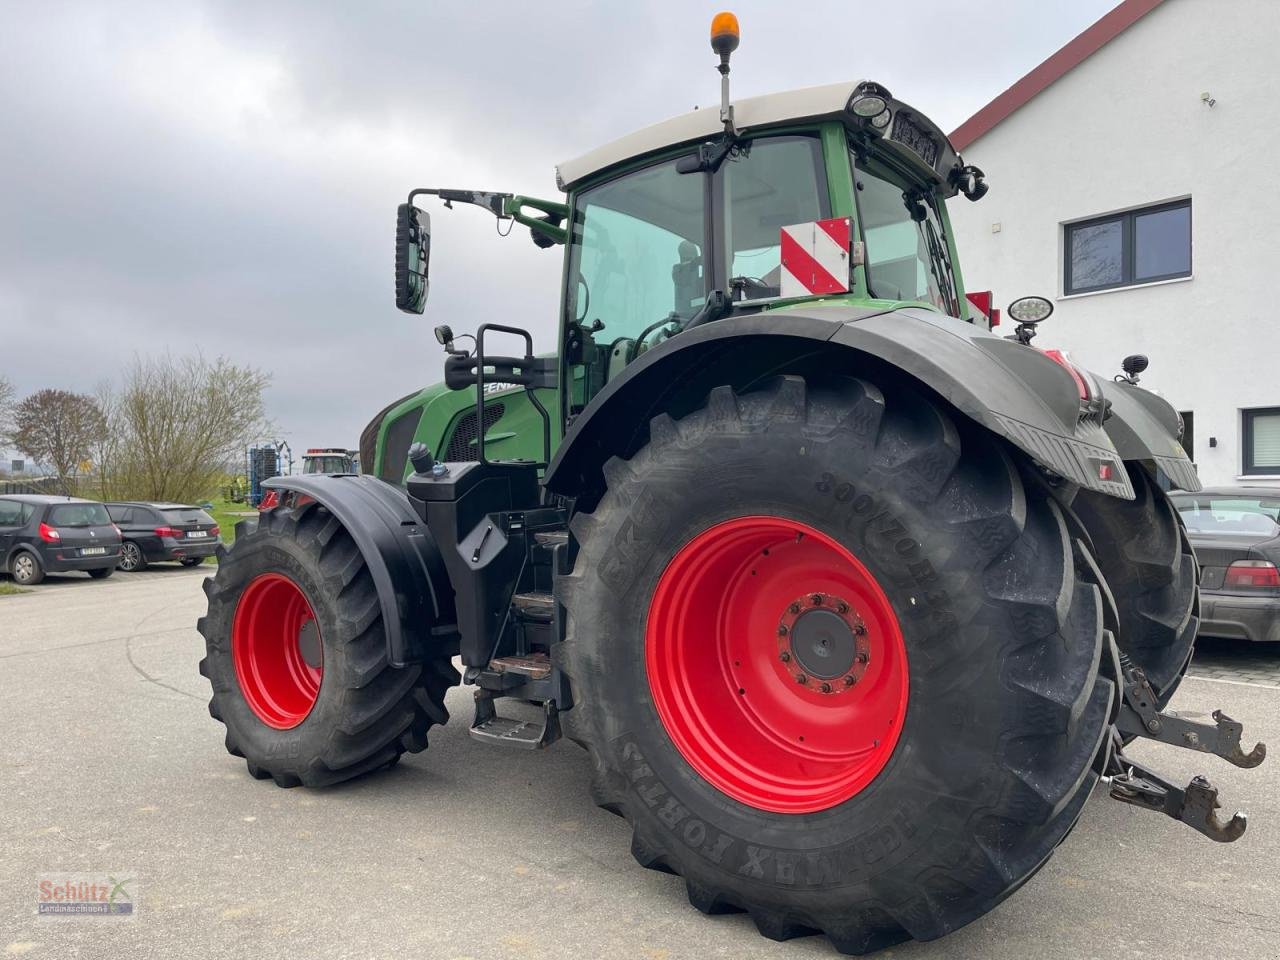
<point x="976" y="711"/>
<point x="1142" y="549"/>
<point x="297" y="656"/>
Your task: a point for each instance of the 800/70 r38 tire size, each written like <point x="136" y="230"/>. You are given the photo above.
<point x="834" y="660"/>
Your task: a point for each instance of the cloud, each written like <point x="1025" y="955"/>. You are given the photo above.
<point x="223" y="176"/>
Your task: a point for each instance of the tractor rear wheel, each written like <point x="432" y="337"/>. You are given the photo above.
<point x="836" y="664"/>
<point x="1142" y="549"/>
<point x="297" y="658"/>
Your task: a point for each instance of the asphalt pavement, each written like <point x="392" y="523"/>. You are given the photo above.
<point x="112" y="767"/>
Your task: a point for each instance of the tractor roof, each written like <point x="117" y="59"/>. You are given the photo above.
<point x="807" y="103"/>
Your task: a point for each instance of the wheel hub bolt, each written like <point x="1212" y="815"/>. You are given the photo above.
<point x="784" y="657"/>
<point x="825" y="688"/>
<point x="860" y="630"/>
<point x="816" y="599"/>
<point x="801" y="678"/>
<point x="849" y="681"/>
<point x="842" y="607"/>
<point x="862" y="658"/>
<point x="794" y="608"/>
<point x="782" y="629"/>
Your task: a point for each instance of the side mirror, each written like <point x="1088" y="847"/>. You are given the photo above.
<point x="413" y="255"/>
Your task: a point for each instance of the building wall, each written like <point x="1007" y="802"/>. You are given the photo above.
<point x="1127" y="128"/>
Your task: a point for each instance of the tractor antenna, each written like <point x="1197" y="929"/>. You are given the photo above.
<point x="725" y="36"/>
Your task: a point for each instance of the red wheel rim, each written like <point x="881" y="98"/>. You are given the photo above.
<point x="275" y="643"/>
<point x="744" y="609"/>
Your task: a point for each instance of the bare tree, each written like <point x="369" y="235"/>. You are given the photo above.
<point x="113" y="481"/>
<point x="175" y="423"/>
<point x="6" y="412"/>
<point x="59" y="429"/>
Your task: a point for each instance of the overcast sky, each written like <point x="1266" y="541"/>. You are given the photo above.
<point x="223" y="176"/>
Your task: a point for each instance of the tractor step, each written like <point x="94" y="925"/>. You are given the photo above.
<point x="551" y="538"/>
<point x="535" y="666"/>
<point x="490" y="728"/>
<point x="535" y="605"/>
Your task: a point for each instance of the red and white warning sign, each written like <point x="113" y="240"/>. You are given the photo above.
<point x="815" y="258"/>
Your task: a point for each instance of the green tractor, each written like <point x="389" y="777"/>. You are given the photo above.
<point x="852" y="601"/>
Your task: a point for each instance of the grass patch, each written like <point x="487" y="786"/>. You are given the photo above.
<point x="226" y="515"/>
<point x="8" y="589"/>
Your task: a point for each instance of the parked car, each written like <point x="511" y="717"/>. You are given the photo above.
<point x="163" y="531"/>
<point x="42" y="534"/>
<point x="1236" y="535"/>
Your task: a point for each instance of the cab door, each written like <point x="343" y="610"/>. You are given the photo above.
<point x="638" y="267"/>
<point x="774" y="182"/>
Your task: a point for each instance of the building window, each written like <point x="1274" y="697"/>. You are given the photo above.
<point x="1125" y="249"/>
<point x="1188" y="433"/>
<point x="1262" y="441"/>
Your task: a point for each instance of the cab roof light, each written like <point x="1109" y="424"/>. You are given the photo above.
<point x="870" y="101"/>
<point x="725" y="33"/>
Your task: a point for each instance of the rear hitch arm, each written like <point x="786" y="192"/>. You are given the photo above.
<point x="1134" y="783"/>
<point x="1196" y="805"/>
<point x="1140" y="718"/>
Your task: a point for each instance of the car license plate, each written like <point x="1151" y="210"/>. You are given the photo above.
<point x="197" y="533"/>
<point x="92" y="551"/>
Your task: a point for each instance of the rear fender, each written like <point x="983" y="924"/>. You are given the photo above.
<point x="1146" y="427"/>
<point x="1016" y="392"/>
<point x="413" y="586"/>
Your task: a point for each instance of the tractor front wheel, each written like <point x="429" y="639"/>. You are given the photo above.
<point x="297" y="656"/>
<point x="834" y="660"/>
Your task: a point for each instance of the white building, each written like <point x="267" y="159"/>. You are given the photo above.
<point x="1132" y="182"/>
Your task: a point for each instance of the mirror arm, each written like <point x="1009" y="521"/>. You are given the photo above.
<point x="495" y="203"/>
<point x="506" y="206"/>
<point x="549" y="227"/>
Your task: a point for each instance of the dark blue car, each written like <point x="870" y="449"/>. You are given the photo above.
<point x="44" y="534"/>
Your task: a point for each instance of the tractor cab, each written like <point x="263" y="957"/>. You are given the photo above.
<point x="833" y="194"/>
<point x="803" y="199"/>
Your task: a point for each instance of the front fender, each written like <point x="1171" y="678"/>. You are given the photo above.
<point x="1016" y="392"/>
<point x="408" y="572"/>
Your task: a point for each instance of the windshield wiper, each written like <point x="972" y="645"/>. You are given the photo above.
<point x="939" y="265"/>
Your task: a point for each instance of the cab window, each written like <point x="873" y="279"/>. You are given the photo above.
<point x="907" y="256"/>
<point x="774" y="183"/>
<point x="636" y="265"/>
<point x="643" y="253"/>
